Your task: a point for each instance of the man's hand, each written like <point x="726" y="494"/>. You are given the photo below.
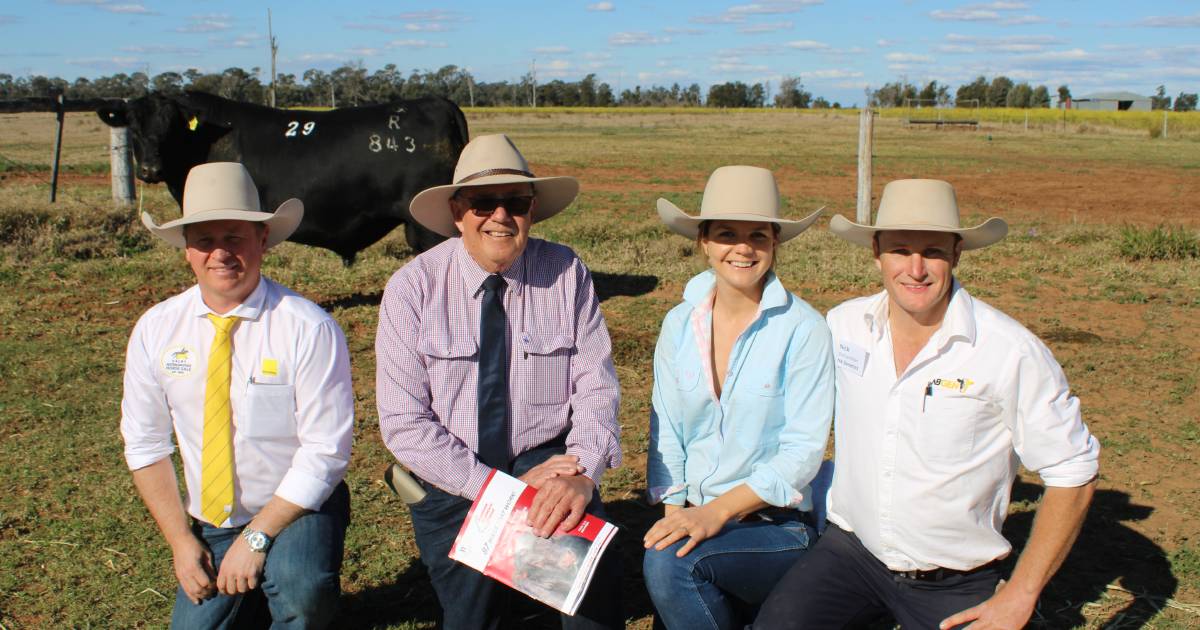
<point x="697" y="523"/>
<point x="559" y="504"/>
<point x="241" y="569"/>
<point x="556" y="466"/>
<point x="1007" y="609"/>
<point x="194" y="570"/>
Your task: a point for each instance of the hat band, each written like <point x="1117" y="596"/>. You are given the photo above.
<point x="494" y="171"/>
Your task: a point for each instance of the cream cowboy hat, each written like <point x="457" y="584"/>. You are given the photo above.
<point x="486" y="161"/>
<point x="224" y="190"/>
<point x="736" y="193"/>
<point x="919" y="204"/>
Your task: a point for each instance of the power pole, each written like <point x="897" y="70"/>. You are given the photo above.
<point x="274" y="50"/>
<point x="533" y="83"/>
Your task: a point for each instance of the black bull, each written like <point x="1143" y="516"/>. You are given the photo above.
<point x="355" y="169"/>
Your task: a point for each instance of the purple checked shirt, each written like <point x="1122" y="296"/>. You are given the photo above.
<point x="427" y="363"/>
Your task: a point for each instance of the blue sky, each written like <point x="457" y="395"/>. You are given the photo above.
<point x="837" y="48"/>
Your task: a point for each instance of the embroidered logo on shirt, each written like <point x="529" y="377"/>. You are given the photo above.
<point x="270" y="367"/>
<point x="957" y="384"/>
<point x="178" y="361"/>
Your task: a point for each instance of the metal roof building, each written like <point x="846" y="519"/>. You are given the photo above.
<point x="1111" y="102"/>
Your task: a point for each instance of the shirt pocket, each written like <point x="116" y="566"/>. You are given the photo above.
<point x="449" y="364"/>
<point x="758" y="418"/>
<point x="687" y="377"/>
<point x="546" y="364"/>
<point x="270" y="411"/>
<point x="947" y="426"/>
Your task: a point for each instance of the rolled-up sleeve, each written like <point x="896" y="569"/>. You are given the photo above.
<point x="808" y="403"/>
<point x="145" y="417"/>
<point x="1049" y="435"/>
<point x="324" y="418"/>
<point x="595" y="434"/>
<point x="666" y="460"/>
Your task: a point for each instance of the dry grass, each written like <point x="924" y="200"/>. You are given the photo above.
<point x="78" y="549"/>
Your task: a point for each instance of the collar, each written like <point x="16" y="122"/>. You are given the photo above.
<point x="959" y="320"/>
<point x="473" y="275"/>
<point x="699" y="291"/>
<point x="250" y="308"/>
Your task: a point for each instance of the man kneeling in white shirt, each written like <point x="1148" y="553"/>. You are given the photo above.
<point x="254" y="381"/>
<point x="939" y="398"/>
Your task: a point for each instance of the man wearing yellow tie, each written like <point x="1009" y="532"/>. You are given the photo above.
<point x="254" y="381"/>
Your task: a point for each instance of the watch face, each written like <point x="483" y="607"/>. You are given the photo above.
<point x="258" y="541"/>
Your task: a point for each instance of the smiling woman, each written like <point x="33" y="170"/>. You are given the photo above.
<point x="732" y="459"/>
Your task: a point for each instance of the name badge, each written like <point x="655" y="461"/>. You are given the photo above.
<point x="851" y="357"/>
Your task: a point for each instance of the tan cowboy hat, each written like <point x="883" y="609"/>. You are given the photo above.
<point x="486" y="161"/>
<point x="736" y="193"/>
<point x="919" y="204"/>
<point x="224" y="190"/>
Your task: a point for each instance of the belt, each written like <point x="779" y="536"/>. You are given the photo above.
<point x="782" y="515"/>
<point x="941" y="573"/>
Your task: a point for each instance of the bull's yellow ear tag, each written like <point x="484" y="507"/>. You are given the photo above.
<point x="193" y="123"/>
<point x="270" y="367"/>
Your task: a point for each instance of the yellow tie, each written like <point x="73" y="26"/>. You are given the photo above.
<point x="216" y="455"/>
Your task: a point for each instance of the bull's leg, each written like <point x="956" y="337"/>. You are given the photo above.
<point x="419" y="238"/>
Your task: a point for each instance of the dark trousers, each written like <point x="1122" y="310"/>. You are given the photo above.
<point x="468" y="599"/>
<point x="839" y="584"/>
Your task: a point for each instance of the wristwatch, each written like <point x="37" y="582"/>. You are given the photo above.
<point x="257" y="540"/>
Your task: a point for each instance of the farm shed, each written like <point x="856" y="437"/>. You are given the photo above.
<point x="1112" y="102"/>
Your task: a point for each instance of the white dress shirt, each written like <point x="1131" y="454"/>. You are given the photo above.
<point x="292" y="402"/>
<point x="926" y="461"/>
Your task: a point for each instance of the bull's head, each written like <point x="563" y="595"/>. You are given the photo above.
<point x="168" y="134"/>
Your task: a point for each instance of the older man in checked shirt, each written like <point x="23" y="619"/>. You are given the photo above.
<point x="492" y="354"/>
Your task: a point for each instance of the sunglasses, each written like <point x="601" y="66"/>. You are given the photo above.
<point x="484" y="206"/>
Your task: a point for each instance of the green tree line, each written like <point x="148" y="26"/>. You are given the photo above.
<point x="352" y="85"/>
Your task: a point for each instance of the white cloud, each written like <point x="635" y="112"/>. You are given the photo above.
<point x="765" y="27"/>
<point x="426" y="27"/>
<point x="382" y="28"/>
<point x="637" y="38"/>
<point x="414" y="43"/>
<point x="908" y="58"/>
<point x="9" y="19"/>
<point x="683" y="30"/>
<point x="432" y="15"/>
<point x="832" y="74"/>
<point x="597" y="56"/>
<point x="806" y="44"/>
<point x="672" y="74"/>
<point x="996" y="12"/>
<point x="1170" y="21"/>
<point x="737" y="66"/>
<point x="737" y="13"/>
<point x="601" y="6"/>
<point x="155" y="49"/>
<point x="127" y="8"/>
<point x="1017" y="44"/>
<point x="552" y="50"/>
<point x="207" y="23"/>
<point x="363" y="52"/>
<point x="886" y="43"/>
<point x="108" y="64"/>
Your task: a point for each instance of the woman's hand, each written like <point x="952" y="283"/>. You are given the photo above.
<point x="697" y="523"/>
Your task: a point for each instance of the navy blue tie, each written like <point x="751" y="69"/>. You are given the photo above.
<point x="493" y="376"/>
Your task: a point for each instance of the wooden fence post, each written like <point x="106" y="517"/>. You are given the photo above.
<point x="58" y="115"/>
<point x="121" y="165"/>
<point x="865" y="141"/>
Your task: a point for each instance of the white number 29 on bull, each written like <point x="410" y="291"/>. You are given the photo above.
<point x="292" y="126"/>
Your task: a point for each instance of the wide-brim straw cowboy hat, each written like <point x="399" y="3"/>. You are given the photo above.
<point x="736" y="193"/>
<point x="927" y="205"/>
<point x="487" y="161"/>
<point x="224" y="191"/>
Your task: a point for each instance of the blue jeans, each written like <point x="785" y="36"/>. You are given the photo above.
<point x="300" y="582"/>
<point x="721" y="582"/>
<point x="472" y="601"/>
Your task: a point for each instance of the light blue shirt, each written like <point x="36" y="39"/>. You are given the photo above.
<point x="771" y="424"/>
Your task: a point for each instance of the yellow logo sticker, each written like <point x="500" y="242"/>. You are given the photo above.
<point x="270" y="367"/>
<point x="957" y="384"/>
<point x="193" y="123"/>
<point x="178" y="361"/>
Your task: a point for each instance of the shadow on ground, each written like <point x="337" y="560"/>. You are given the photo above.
<point x="1108" y="551"/>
